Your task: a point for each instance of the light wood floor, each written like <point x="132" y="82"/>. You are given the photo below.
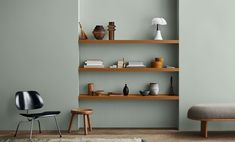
<point x="148" y="135"/>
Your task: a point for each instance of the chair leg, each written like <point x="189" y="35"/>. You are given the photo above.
<point x="57" y="126"/>
<point x="70" y="123"/>
<point x="39" y="127"/>
<point x="89" y="123"/>
<point x="31" y="129"/>
<point x="85" y="127"/>
<point x="18" y="125"/>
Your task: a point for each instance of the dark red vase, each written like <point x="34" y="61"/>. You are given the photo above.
<point x="99" y="32"/>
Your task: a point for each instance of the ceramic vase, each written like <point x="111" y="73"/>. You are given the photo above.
<point x="125" y="90"/>
<point x="154" y="88"/>
<point x="99" y="32"/>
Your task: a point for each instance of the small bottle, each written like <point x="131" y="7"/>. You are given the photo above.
<point x="125" y="90"/>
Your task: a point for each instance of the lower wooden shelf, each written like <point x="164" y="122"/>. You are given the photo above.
<point x="129" y="97"/>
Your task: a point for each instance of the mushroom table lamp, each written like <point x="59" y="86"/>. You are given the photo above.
<point x="156" y="22"/>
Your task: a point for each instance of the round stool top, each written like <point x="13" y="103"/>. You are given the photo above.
<point x="82" y="110"/>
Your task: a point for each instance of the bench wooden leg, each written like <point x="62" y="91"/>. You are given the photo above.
<point x="204" y="130"/>
<point x="71" y="122"/>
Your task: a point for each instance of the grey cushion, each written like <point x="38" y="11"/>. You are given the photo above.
<point x="212" y="111"/>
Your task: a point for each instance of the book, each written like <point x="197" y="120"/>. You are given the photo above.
<point x="136" y="63"/>
<point x="95" y="66"/>
<point x="135" y="66"/>
<point x="94" y="61"/>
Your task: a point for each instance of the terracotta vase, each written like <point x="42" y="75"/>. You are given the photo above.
<point x="99" y="32"/>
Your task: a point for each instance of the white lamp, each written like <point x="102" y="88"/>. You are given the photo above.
<point x="157" y="22"/>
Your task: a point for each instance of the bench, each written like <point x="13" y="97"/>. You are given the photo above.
<point x="211" y="112"/>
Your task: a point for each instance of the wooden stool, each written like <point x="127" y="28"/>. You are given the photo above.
<point x="86" y="112"/>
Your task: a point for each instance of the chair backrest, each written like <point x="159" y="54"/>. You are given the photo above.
<point x="28" y="100"/>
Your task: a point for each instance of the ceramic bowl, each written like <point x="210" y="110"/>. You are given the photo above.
<point x="144" y="92"/>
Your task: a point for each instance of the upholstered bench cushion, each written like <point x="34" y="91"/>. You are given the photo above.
<point x="212" y="111"/>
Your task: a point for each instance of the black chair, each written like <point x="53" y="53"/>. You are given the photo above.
<point x="30" y="100"/>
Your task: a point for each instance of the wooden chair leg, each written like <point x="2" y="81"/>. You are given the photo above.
<point x="204" y="129"/>
<point x="89" y="123"/>
<point x="85" y="127"/>
<point x="71" y="122"/>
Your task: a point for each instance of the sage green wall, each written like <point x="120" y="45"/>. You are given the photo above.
<point x="133" y="20"/>
<point x="207" y="55"/>
<point x="38" y="51"/>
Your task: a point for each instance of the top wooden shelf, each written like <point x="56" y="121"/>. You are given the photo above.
<point x="129" y="41"/>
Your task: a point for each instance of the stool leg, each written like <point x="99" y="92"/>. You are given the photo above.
<point x="71" y="122"/>
<point x="85" y="127"/>
<point x="89" y="123"/>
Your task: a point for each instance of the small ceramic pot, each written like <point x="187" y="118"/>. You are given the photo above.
<point x="144" y="92"/>
<point x="154" y="88"/>
<point x="158" y="63"/>
<point x="99" y="32"/>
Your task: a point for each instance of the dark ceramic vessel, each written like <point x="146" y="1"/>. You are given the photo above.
<point x="99" y="32"/>
<point x="125" y="90"/>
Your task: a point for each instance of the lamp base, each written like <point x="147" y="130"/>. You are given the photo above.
<point x="158" y="35"/>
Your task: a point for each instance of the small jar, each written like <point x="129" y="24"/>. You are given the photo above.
<point x="158" y="63"/>
<point x="90" y="88"/>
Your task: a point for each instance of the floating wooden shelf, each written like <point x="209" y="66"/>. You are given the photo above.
<point x="129" y="97"/>
<point x="129" y="41"/>
<point x="129" y="69"/>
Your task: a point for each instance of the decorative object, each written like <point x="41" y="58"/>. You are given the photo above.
<point x="82" y="35"/>
<point x="90" y="88"/>
<point x="113" y="66"/>
<point x="120" y="63"/>
<point x="99" y="32"/>
<point x="86" y="112"/>
<point x="171" y="87"/>
<point x="144" y="92"/>
<point x="156" y="22"/>
<point x="111" y="29"/>
<point x="158" y="62"/>
<point x="154" y="88"/>
<point x="125" y="90"/>
<point x="99" y="92"/>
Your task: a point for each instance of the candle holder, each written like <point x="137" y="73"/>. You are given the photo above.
<point x="111" y="29"/>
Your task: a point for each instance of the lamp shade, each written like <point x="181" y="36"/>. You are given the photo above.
<point x="159" y="21"/>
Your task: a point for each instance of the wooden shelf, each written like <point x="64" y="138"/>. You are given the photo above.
<point x="128" y="69"/>
<point x="129" y="97"/>
<point x="129" y="41"/>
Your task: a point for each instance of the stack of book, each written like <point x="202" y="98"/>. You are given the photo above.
<point x="93" y="63"/>
<point x="135" y="64"/>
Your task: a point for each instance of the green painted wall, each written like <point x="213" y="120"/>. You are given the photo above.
<point x="133" y="19"/>
<point x="38" y="51"/>
<point x="207" y="57"/>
